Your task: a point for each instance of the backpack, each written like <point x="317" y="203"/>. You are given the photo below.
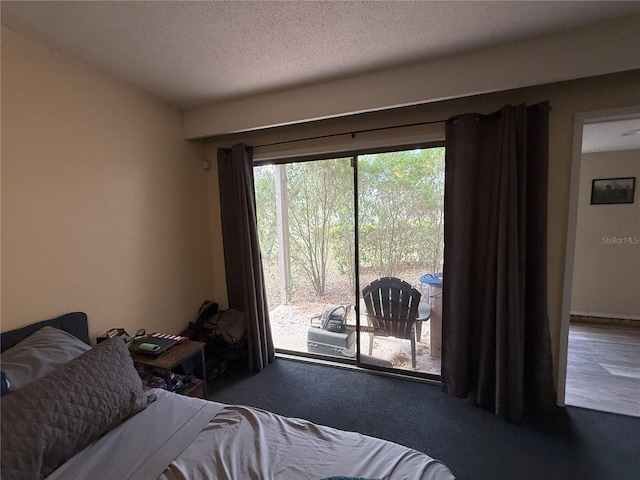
<point x="196" y="331"/>
<point x="228" y="324"/>
<point x="224" y="332"/>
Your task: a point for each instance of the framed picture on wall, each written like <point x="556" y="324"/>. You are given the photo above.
<point x="612" y="190"/>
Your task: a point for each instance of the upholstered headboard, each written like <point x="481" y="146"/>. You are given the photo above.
<point x="74" y="323"/>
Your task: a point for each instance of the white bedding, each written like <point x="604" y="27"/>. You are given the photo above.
<point x="141" y="447"/>
<point x="205" y="440"/>
<point x="248" y="443"/>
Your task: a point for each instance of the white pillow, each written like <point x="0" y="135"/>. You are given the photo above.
<point x="39" y="354"/>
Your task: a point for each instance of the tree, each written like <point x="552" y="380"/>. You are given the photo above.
<point x="400" y="209"/>
<point x="264" y="185"/>
<point x="342" y="233"/>
<point x="316" y="190"/>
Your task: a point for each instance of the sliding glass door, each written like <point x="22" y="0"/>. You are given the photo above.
<point x="400" y="238"/>
<point x="306" y="227"/>
<point x="328" y="229"/>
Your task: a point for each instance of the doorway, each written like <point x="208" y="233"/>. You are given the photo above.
<point x="328" y="228"/>
<point x="599" y="362"/>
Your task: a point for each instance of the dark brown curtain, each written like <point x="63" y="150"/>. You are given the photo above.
<point x="495" y="344"/>
<point x="243" y="265"/>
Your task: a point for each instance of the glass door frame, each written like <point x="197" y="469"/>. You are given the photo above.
<point x="353" y="155"/>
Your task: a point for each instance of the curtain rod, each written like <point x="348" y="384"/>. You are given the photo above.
<point x="353" y="133"/>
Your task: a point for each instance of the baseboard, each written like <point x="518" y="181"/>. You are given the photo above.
<point x="605" y="315"/>
<point x="605" y="321"/>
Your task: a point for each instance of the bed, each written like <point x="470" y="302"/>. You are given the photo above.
<point x="74" y="412"/>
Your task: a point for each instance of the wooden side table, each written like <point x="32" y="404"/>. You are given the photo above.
<point x="176" y="355"/>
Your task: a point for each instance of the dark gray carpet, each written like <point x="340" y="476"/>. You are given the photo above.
<point x="566" y="443"/>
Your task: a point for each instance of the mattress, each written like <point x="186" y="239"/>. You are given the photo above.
<point x="247" y="443"/>
<point x="184" y="438"/>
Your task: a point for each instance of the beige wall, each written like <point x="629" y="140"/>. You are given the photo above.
<point x="606" y="274"/>
<point x="567" y="98"/>
<point x="104" y="205"/>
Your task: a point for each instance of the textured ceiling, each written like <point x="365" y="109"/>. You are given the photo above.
<point x="193" y="53"/>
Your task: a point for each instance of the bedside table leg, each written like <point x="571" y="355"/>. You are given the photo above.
<point x="204" y="374"/>
<point x="167" y="378"/>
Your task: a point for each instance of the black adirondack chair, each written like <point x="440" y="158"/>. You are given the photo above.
<point x="392" y="310"/>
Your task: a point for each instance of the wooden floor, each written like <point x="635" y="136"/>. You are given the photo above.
<point x="603" y="368"/>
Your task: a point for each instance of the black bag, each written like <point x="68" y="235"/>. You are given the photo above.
<point x="224" y="332"/>
<point x="228" y="324"/>
<point x="196" y="331"/>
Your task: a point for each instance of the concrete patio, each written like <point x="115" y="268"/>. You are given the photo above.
<point x="290" y="323"/>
